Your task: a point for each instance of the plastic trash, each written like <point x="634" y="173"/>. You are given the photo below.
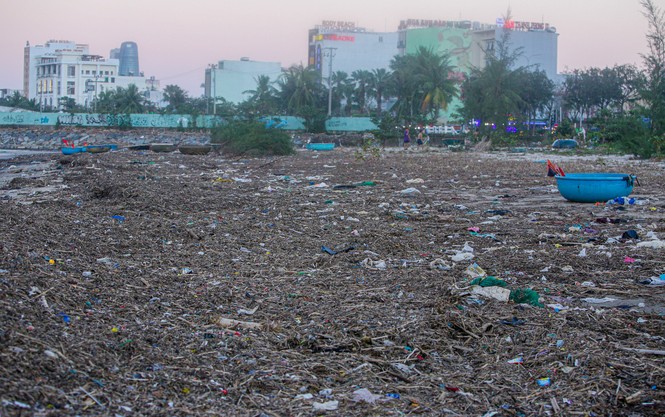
<point x="365" y="395"/>
<point x="475" y="271"/>
<point x="393" y="395"/>
<point x="410" y="190"/>
<point x="327" y="406"/>
<point x="525" y="296"/>
<point x="582" y="253"/>
<point x="543" y="382"/>
<point x="630" y="234"/>
<point x="517" y="360"/>
<point x="489" y="281"/>
<point x="119" y="218"/>
<point x="462" y="256"/>
<point x="497" y="293"/>
<point x="440" y="264"/>
<point x="513" y="322"/>
<point x="654" y="281"/>
<point x="653" y="244"/>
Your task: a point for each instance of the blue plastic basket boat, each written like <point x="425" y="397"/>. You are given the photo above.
<point x="72" y="151"/>
<point x="320" y="146"/>
<point x="594" y="187"/>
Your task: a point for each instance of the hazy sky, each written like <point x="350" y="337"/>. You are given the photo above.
<point x="177" y="39"/>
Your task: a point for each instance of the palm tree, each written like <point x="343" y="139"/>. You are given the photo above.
<point x="340" y="86"/>
<point x="130" y="100"/>
<point x="263" y="98"/>
<point x="362" y="81"/>
<point x="176" y="97"/>
<point x="404" y="85"/>
<point x="436" y="88"/>
<point x="379" y="83"/>
<point x="300" y="87"/>
<point x="106" y="102"/>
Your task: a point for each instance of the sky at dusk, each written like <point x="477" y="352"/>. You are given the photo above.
<point x="177" y="39"/>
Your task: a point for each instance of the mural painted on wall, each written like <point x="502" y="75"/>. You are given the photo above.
<point x="171" y="121"/>
<point x="350" y="124"/>
<point x="454" y="41"/>
<point x="107" y="120"/>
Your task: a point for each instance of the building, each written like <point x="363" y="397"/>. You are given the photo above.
<point x="32" y="55"/>
<point x="65" y="69"/>
<point x="73" y="74"/>
<point x="7" y="92"/>
<point x="536" y="44"/>
<point x="343" y="46"/>
<point x="468" y="43"/>
<point x="230" y="79"/>
<point x="129" y="60"/>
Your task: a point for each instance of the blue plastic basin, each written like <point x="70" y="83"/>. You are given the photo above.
<point x="594" y="187"/>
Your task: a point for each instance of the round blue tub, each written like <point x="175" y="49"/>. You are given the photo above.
<point x="594" y="187"/>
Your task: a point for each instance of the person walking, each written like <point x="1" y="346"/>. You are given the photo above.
<point x="407" y="138"/>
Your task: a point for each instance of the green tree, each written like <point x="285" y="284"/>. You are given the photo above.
<point x="492" y="94"/>
<point x="404" y="87"/>
<point x="536" y="93"/>
<point x="362" y="80"/>
<point x="176" y="98"/>
<point x="379" y="84"/>
<point x="106" y="102"/>
<point x="342" y="88"/>
<point x="432" y="74"/>
<point x="129" y="100"/>
<point x="302" y="94"/>
<point x="653" y="92"/>
<point x="263" y="99"/>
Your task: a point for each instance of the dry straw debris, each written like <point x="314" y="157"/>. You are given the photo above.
<point x="137" y="283"/>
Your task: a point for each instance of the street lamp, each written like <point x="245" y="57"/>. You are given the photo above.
<point x="330" y="53"/>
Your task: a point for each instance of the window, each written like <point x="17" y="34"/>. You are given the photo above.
<point x="87" y="72"/>
<point x="111" y="72"/>
<point x="106" y="73"/>
<point x="71" y="70"/>
<point x="71" y="89"/>
<point x="50" y="85"/>
<point x="59" y="88"/>
<point x="112" y="79"/>
<point x="94" y="72"/>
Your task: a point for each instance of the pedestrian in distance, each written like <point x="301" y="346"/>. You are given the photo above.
<point x="407" y="138"/>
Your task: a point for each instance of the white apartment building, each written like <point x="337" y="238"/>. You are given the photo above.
<point x="75" y="75"/>
<point x="230" y="79"/>
<point x="66" y="69"/>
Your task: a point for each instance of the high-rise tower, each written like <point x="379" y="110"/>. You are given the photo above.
<point x="129" y="59"/>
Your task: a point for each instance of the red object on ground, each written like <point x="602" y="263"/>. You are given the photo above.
<point x="553" y="169"/>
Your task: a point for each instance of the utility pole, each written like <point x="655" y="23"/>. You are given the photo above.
<point x="330" y="53"/>
<point x="213" y="86"/>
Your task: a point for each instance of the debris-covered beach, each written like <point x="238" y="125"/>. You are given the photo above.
<point x="141" y="283"/>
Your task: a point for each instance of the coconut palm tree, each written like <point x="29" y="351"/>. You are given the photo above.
<point x="379" y="83"/>
<point x="130" y="100"/>
<point x="300" y="87"/>
<point x="340" y="87"/>
<point x="176" y="97"/>
<point x="263" y="98"/>
<point x="362" y="80"/>
<point x="436" y="89"/>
